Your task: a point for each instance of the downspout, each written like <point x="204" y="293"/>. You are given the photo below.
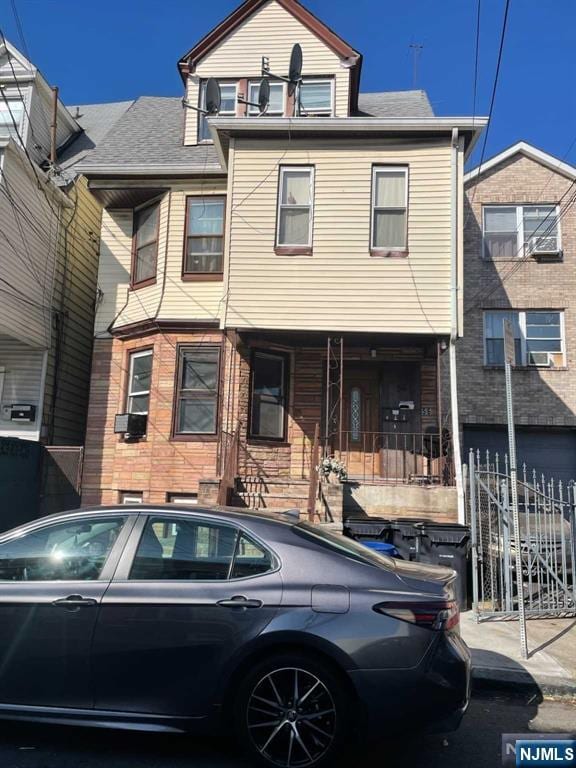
<point x="454" y="326"/>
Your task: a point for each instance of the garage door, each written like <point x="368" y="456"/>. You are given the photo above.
<point x="551" y="452"/>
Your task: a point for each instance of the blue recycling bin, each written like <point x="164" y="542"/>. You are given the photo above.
<point x="381" y="546"/>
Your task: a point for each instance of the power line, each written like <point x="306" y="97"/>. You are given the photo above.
<point x="476" y="59"/>
<point x="493" y="97"/>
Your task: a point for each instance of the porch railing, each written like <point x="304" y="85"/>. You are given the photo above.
<point x="229" y="465"/>
<point x="314" y="476"/>
<point x="394" y="457"/>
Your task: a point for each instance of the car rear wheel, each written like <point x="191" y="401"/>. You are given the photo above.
<point x="291" y="712"/>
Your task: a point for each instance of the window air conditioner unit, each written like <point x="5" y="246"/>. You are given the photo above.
<point x="131" y="424"/>
<point x="540" y="359"/>
<point x="544" y="247"/>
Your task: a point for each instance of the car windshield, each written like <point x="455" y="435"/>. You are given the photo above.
<point x="342" y="544"/>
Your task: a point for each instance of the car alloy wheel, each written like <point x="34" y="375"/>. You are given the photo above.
<point x="291" y="717"/>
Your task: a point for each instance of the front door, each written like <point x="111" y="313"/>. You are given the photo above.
<point x="402" y="442"/>
<point x="52" y="580"/>
<point x="189" y="594"/>
<point x="361" y="417"/>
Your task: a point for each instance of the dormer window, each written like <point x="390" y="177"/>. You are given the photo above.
<point x="11" y="114"/>
<point x="317" y="98"/>
<point x="276" y="103"/>
<point x="229" y="99"/>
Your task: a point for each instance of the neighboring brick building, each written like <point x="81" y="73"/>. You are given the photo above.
<point x="520" y="257"/>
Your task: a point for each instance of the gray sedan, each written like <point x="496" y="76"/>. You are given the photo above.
<point x="164" y="618"/>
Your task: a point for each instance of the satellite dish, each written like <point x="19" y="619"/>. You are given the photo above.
<point x="295" y="69"/>
<point x="264" y="95"/>
<point x="213" y="97"/>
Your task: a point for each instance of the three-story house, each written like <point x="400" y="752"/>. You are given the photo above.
<point x="269" y="279"/>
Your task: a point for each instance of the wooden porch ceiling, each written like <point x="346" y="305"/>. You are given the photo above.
<point x="360" y="339"/>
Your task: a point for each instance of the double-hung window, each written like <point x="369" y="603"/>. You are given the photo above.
<point x="389" y="230"/>
<point x="228" y="102"/>
<point x="204" y="236"/>
<point x="515" y="231"/>
<point x="538" y="337"/>
<point x="11" y="117"/>
<point x="268" y="396"/>
<point x="316" y="98"/>
<point x="145" y="245"/>
<point x="295" y="206"/>
<point x="139" y="377"/>
<point x="197" y="389"/>
<point x="276" y="103"/>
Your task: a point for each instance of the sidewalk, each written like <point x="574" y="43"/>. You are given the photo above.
<point x="496" y="661"/>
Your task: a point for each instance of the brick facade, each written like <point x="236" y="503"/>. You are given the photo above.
<point x="158" y="465"/>
<point x="542" y="397"/>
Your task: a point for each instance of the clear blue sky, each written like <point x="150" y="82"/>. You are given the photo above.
<point x="111" y="50"/>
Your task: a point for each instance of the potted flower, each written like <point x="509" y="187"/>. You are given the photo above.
<point x="332" y="470"/>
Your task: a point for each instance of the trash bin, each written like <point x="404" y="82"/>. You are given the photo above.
<point x="447" y="544"/>
<point x="375" y="528"/>
<point x="405" y="534"/>
<point x="381" y="546"/>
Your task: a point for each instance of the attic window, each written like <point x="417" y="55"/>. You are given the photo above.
<point x="316" y="98"/>
<point x="229" y="100"/>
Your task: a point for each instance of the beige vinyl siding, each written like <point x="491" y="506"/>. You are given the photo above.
<point x="271" y="31"/>
<point x="27" y="251"/>
<point x="22" y="385"/>
<point x="172" y="298"/>
<point x="340" y="287"/>
<point x="70" y="355"/>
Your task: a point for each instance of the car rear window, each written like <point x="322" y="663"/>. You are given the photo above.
<point x="343" y="545"/>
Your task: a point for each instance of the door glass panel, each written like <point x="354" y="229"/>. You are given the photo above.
<point x="184" y="550"/>
<point x="251" y="559"/>
<point x="355" y="414"/>
<point x="71" y="551"/>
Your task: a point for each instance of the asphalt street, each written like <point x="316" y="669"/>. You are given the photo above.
<point x="476" y="745"/>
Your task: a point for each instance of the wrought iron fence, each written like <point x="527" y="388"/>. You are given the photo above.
<point x="547" y="540"/>
<point x="394" y="457"/>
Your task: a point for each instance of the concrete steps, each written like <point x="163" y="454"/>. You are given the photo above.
<point x="270" y="493"/>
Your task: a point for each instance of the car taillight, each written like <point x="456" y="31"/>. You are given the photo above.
<point x="435" y="614"/>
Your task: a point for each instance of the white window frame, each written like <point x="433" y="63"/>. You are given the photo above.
<point x="254" y="111"/>
<point x="130" y="393"/>
<point x="182" y="498"/>
<point x="523" y="340"/>
<point x="520" y="252"/>
<point x="280" y="205"/>
<point x="12" y="132"/>
<point x="222" y="113"/>
<point x="377" y="169"/>
<point x="319" y="112"/>
<point x="131" y="497"/>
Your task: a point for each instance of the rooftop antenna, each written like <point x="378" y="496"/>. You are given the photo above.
<point x="212" y="99"/>
<point x="263" y="97"/>
<point x="416" y="53"/>
<point x="294" y="69"/>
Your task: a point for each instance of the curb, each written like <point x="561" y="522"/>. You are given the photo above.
<point x="513" y="681"/>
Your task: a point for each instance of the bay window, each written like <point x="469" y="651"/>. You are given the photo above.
<point x="145" y="245"/>
<point x="139" y="379"/>
<point x="295" y="204"/>
<point x="515" y="231"/>
<point x="538" y="337"/>
<point x="204" y="236"/>
<point x="389" y="208"/>
<point x="197" y="388"/>
<point x="268" y="395"/>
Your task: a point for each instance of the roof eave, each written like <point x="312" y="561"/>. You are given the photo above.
<point x="90" y="170"/>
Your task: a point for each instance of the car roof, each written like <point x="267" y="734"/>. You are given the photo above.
<point x="228" y="513"/>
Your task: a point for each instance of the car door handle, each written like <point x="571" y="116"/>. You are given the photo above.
<point x="74" y="601"/>
<point x="239" y="601"/>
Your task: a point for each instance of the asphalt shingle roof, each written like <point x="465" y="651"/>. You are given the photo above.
<point x="150" y="133"/>
<point x="96" y="120"/>
<point x="394" y="104"/>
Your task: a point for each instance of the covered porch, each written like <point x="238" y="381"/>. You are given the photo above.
<point x="371" y="401"/>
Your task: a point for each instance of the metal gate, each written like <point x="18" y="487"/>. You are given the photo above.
<point x="547" y="541"/>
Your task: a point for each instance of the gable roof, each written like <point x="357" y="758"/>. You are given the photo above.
<point x="147" y="138"/>
<point x="394" y="104"/>
<point x="306" y="17"/>
<point x="528" y="150"/>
